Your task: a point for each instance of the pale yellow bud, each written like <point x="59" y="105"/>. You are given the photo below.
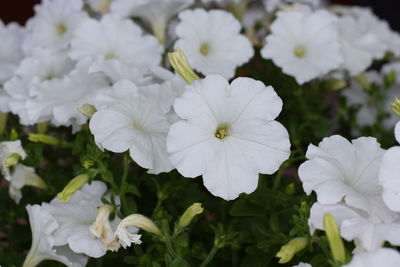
<point x="189" y="214"/>
<point x="363" y="81"/>
<point x="181" y="65"/>
<point x="396" y="106"/>
<point x="73" y="186"/>
<point x="87" y="110"/>
<point x="335" y="241"/>
<point x="287" y="251"/>
<point x="45" y="139"/>
<point x="336" y="85"/>
<point x="11" y="160"/>
<point x="87" y="164"/>
<point x="159" y="30"/>
<point x="34" y="180"/>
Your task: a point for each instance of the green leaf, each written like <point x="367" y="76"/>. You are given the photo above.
<point x="179" y="263"/>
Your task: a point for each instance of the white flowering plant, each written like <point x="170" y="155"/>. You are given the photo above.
<point x="285" y="111"/>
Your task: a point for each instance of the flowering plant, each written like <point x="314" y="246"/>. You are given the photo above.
<point x="285" y="112"/>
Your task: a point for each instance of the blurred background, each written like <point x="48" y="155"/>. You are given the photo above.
<point x="21" y="10"/>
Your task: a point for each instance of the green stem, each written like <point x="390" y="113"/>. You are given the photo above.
<point x="123" y="185"/>
<point x="170" y="248"/>
<point x="3" y="122"/>
<point x="278" y="179"/>
<point x="42" y="127"/>
<point x="210" y="256"/>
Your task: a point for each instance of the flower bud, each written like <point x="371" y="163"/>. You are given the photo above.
<point x="103" y="6"/>
<point x="396" y="106"/>
<point x="87" y="110"/>
<point x="390" y="79"/>
<point x="74" y="185"/>
<point x="45" y="139"/>
<point x="290" y="189"/>
<point x="335" y="85"/>
<point x="11" y="160"/>
<point x="189" y="214"/>
<point x="34" y="180"/>
<point x="287" y="251"/>
<point x="87" y="164"/>
<point x="159" y="30"/>
<point x="335" y="241"/>
<point x="181" y="65"/>
<point x="363" y="81"/>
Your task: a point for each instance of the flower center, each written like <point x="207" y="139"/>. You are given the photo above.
<point x="222" y="131"/>
<point x="110" y="55"/>
<point x="139" y="126"/>
<point x="204" y="49"/>
<point x="300" y="51"/>
<point x="61" y="29"/>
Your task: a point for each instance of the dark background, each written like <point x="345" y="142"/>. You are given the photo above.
<point x="21" y="10"/>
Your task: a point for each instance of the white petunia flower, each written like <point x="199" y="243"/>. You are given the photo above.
<point x="228" y="134"/>
<point x="42" y="69"/>
<point x="129" y="120"/>
<point x="341" y="170"/>
<point x="53" y="24"/>
<point x="43" y="226"/>
<point x="389" y="39"/>
<point x="11" y="36"/>
<point x="387" y="257"/>
<point x="389" y="174"/>
<point x="116" y="70"/>
<point x="10" y="153"/>
<point x="115" y="38"/>
<point x="164" y="87"/>
<point x="212" y="42"/>
<point x="370" y="107"/>
<point x="77" y="226"/>
<point x="157" y="13"/>
<point x="21" y="176"/>
<point x="59" y="100"/>
<point x="359" y="44"/>
<point x="368" y="232"/>
<point x="397" y="132"/>
<point x="304" y="44"/>
<point x="302" y="264"/>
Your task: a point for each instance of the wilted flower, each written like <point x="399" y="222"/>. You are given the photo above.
<point x="76" y="219"/>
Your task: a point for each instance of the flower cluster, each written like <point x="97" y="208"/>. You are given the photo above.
<point x="232" y="91"/>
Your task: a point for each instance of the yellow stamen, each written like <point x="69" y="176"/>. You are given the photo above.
<point x="61" y="29"/>
<point x="300" y="51"/>
<point x="222" y="131"/>
<point x="204" y="49"/>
